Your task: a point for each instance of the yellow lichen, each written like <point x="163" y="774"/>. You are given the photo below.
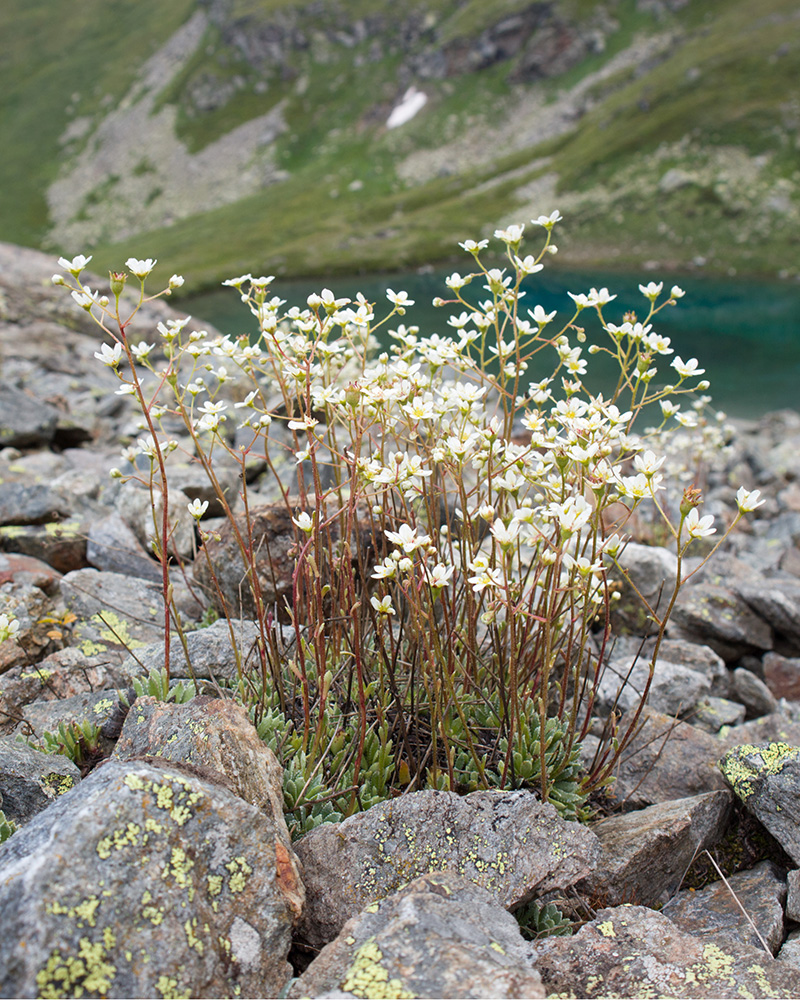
<point x="607" y="929"/>
<point x="89" y="971"/>
<point x="167" y="987"/>
<point x="743" y="765"/>
<point x="239" y="871"/>
<point x="368" y="979"/>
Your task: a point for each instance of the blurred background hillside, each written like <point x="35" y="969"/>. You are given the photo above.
<point x="322" y="137"/>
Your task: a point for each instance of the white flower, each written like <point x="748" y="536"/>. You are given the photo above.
<point x="8" y="627"/>
<point x="505" y="536"/>
<point x="386" y="571"/>
<point x="699" y="527"/>
<point x="651" y="290"/>
<point x="382" y="606"/>
<point x="140" y="351"/>
<point x="677" y="292"/>
<point x="407" y="538"/>
<point x="74" y="266"/>
<point x="648" y="463"/>
<point x="601" y="298"/>
<point x="439" y="576"/>
<point x="86" y="298"/>
<point x="687" y="369"/>
<point x="126" y="389"/>
<point x="110" y="356"/>
<point x="484" y="578"/>
<point x="581" y="300"/>
<point x="472" y="247"/>
<point x="511" y="235"/>
<point x="197" y="508"/>
<point x="176" y="281"/>
<point x="527" y="265"/>
<point x="747" y="501"/>
<point x="141" y="268"/>
<point x="548" y="221"/>
<point x="538" y="315"/>
<point x="399" y="299"/>
<point x="307" y="423"/>
<point x="304" y="521"/>
<point x="238" y="282"/>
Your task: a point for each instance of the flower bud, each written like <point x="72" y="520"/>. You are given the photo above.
<point x="691" y="499"/>
<point x="118" y="279"/>
<point x="352" y="395"/>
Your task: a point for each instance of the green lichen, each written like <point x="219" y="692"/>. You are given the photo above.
<point x="90" y="648"/>
<point x="116" y="630"/>
<point x="103" y="706"/>
<point x="58" y="783"/>
<point x="607" y="929"/>
<point x="167" y="987"/>
<point x="745" y="764"/>
<point x="239" y="872"/>
<point x="367" y="978"/>
<point x="89" y="971"/>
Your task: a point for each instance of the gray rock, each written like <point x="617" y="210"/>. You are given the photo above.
<point x="30" y="780"/>
<point x="60" y="544"/>
<point x="753" y="693"/>
<point x="118" y="614"/>
<point x="767" y="780"/>
<point x="18" y="568"/>
<point x="25" y="421"/>
<point x="711" y="714"/>
<point x="778" y="603"/>
<point x="716" y="616"/>
<point x="790" y="952"/>
<point x="714" y="913"/>
<point x="701" y="659"/>
<point x="659" y="960"/>
<point x="133" y="505"/>
<point x="211" y="651"/>
<point x="440" y="936"/>
<point x="113" y="547"/>
<point x="22" y="503"/>
<point x="646" y="854"/>
<point x="666" y="760"/>
<point x="675" y="689"/>
<point x="782" y="676"/>
<point x="101" y="709"/>
<point x="652" y="571"/>
<point x="144" y="880"/>
<point x="793" y="896"/>
<point x="509" y="842"/>
<point x="782" y="726"/>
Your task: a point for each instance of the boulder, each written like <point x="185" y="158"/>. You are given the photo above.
<point x="767" y="780"/>
<point x="645" y="854"/>
<point x="509" y="842"/>
<point x="660" y="959"/>
<point x="714" y="912"/>
<point x="30" y="780"/>
<point x="440" y="936"/>
<point x="145" y="881"/>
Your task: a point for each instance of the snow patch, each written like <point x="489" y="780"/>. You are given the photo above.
<point x="413" y="101"/>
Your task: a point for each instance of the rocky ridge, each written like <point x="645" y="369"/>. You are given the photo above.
<point x="167" y="869"/>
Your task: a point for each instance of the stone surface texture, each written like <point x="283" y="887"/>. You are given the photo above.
<point x="509" y="842"/>
<point x="440" y="936"/>
<point x="31" y="780"/>
<point x="144" y="881"/>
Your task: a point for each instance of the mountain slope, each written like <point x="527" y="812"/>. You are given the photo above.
<point x="233" y="135"/>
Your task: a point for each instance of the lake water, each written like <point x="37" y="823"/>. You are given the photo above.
<point x="746" y="334"/>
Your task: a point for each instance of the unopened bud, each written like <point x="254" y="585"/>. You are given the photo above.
<point x="118" y="279"/>
<point x="691" y="499"/>
<point x="352" y="395"/>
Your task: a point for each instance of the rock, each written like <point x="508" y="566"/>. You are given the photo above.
<point x="210" y="733"/>
<point x="778" y="603"/>
<point x="666" y="760"/>
<point x="61" y="545"/>
<point x="767" y="780"/>
<point x="30" y="606"/>
<point x="30" y="780"/>
<point x="440" y="936"/>
<point x="645" y="854"/>
<point x="113" y="547"/>
<point x="142" y="881"/>
<point x="100" y="709"/>
<point x="21" y="503"/>
<point x="18" y="568"/>
<point x="211" y="651"/>
<point x="790" y="952"/>
<point x="753" y="693"/>
<point x="134" y="507"/>
<point x="701" y="659"/>
<point x="660" y="960"/>
<point x="117" y="614"/>
<point x="652" y="571"/>
<point x="793" y="897"/>
<point x="782" y="726"/>
<point x="714" y="913"/>
<point x="715" y="616"/>
<point x="782" y="676"/>
<point x="675" y="689"/>
<point x="65" y="673"/>
<point x="711" y="714"/>
<point x="509" y="842"/>
<point x="25" y="421"/>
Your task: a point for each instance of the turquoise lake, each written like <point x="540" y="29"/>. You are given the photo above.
<point x="745" y="333"/>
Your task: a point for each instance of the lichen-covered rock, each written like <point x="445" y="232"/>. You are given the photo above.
<point x="30" y="606"/>
<point x="711" y="714"/>
<point x="509" y="842"/>
<point x="666" y="760"/>
<point x="215" y="735"/>
<point x="631" y="951"/>
<point x="767" y="780"/>
<point x="60" y="544"/>
<point x="31" y="780"/>
<point x="440" y="936"/>
<point x="144" y="881"/>
<point x="646" y="853"/>
<point x="714" y="912"/>
<point x="101" y="709"/>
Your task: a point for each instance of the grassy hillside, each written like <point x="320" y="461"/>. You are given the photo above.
<point x="664" y="135"/>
